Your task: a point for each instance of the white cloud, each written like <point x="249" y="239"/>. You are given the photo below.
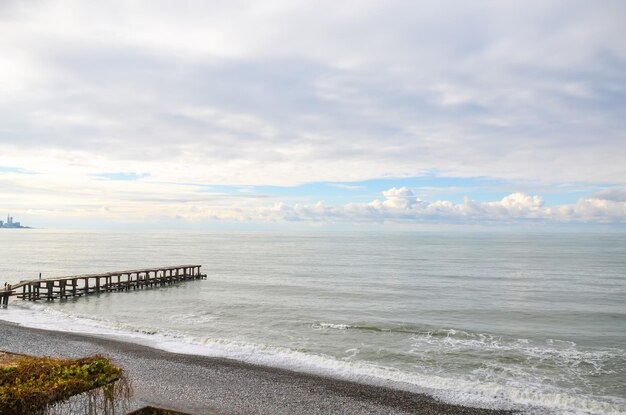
<point x="401" y="206"/>
<point x="399" y="198"/>
<point x="616" y="195"/>
<point x="591" y="210"/>
<point x="323" y="91"/>
<point x="518" y="205"/>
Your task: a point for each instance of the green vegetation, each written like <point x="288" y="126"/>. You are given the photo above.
<point x="33" y="385"/>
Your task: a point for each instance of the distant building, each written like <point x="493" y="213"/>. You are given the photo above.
<point x="10" y="224"/>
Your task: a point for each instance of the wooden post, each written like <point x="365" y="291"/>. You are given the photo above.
<point x="4" y="299"/>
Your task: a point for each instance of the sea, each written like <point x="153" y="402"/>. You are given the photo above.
<point x="515" y="320"/>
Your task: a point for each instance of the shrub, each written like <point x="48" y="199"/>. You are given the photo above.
<point x="33" y="385"/>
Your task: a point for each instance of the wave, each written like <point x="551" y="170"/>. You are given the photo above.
<point x="449" y="340"/>
<point x="453" y="389"/>
<point x="332" y="326"/>
<point x="556" y="365"/>
<point x="366" y="327"/>
<point x="559" y="352"/>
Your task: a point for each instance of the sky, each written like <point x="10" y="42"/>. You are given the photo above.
<point x="368" y="114"/>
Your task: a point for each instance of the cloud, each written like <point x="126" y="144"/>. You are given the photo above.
<point x="591" y="210"/>
<point x="401" y="206"/>
<point x="401" y="198"/>
<point x="378" y="89"/>
<point x="615" y="195"/>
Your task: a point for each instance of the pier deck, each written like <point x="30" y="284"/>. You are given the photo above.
<point x="50" y="289"/>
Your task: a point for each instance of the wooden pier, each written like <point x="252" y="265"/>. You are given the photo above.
<point x="50" y="289"/>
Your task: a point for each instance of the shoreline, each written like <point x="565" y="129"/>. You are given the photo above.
<point x="200" y="384"/>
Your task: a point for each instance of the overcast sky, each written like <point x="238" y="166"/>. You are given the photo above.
<point x="317" y="112"/>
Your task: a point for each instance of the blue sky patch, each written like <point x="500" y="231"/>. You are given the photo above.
<point x="16" y="170"/>
<point x="121" y="176"/>
<point x="431" y="188"/>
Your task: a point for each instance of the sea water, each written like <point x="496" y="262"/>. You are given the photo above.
<point x="535" y="322"/>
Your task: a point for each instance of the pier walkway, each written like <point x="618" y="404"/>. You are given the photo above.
<point x="77" y="285"/>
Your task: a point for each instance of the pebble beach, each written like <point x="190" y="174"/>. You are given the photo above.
<point x="203" y="385"/>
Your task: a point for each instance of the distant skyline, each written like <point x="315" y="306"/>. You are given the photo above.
<point x="369" y="114"/>
<point x="11" y="223"/>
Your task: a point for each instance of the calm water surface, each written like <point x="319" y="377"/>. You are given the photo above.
<point x="529" y="321"/>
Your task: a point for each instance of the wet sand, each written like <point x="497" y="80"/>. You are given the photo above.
<point x="203" y="385"/>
